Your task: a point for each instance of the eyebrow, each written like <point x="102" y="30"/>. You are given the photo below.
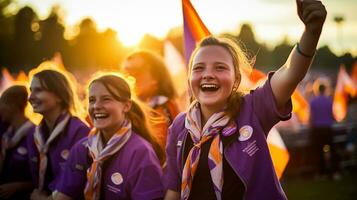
<point x="202" y="63"/>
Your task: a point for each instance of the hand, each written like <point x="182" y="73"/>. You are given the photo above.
<point x="312" y="13"/>
<point x="7" y="190"/>
<point x="38" y="195"/>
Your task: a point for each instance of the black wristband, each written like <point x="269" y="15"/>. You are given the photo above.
<point x="302" y="53"/>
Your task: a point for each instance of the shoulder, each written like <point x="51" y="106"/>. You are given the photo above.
<point x="179" y="121"/>
<point x="76" y="126"/>
<point x="138" y="143"/>
<point x="138" y="150"/>
<point x="77" y="123"/>
<point x="80" y="148"/>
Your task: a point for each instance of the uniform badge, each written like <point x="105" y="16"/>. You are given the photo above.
<point x="65" y="154"/>
<point x="245" y="133"/>
<point x="117" y="178"/>
<point x="22" y="151"/>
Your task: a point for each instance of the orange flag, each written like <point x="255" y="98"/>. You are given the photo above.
<point x="344" y="87"/>
<point x="194" y="28"/>
<point x="6" y="81"/>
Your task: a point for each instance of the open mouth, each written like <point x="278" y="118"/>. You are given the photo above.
<point x="35" y="104"/>
<point x="209" y="87"/>
<point x="99" y="116"/>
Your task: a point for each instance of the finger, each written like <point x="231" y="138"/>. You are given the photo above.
<point x="319" y="8"/>
<point x="309" y="9"/>
<point x="314" y="16"/>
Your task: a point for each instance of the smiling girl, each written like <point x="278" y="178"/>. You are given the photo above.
<point x="119" y="159"/>
<point x="218" y="149"/>
<point x="53" y="97"/>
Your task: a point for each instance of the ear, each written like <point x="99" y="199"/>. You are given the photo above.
<point x="127" y="106"/>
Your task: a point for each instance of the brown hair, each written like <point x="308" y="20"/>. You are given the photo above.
<point x="156" y="66"/>
<point x="120" y="90"/>
<point x="15" y="95"/>
<point x="240" y="62"/>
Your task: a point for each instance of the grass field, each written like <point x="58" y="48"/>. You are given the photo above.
<point x="306" y="188"/>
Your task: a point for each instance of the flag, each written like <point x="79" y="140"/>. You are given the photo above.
<point x="22" y="77"/>
<point x="300" y="107"/>
<point x="6" y="81"/>
<point x="177" y="68"/>
<point x="278" y="150"/>
<point x="344" y="88"/>
<point x="194" y="31"/>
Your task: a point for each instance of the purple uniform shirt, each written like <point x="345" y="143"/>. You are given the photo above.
<point x="16" y="165"/>
<point x="57" y="153"/>
<point x="248" y="155"/>
<point x="133" y="172"/>
<point x="321" y="112"/>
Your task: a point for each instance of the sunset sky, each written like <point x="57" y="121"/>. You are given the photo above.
<point x="272" y="19"/>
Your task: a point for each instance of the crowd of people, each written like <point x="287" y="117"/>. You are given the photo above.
<point x="132" y="143"/>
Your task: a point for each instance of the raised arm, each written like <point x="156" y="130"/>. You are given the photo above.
<point x="313" y="14"/>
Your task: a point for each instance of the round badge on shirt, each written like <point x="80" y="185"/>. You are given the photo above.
<point x="245" y="133"/>
<point x="22" y="151"/>
<point x="65" y="154"/>
<point x="117" y="178"/>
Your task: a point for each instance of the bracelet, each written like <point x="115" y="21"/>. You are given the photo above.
<point x="302" y="53"/>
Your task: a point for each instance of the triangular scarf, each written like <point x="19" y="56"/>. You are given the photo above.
<point x="43" y="147"/>
<point x="215" y="124"/>
<point x="100" y="154"/>
<point x="10" y="140"/>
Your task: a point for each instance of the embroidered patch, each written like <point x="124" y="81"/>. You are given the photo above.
<point x="22" y="151"/>
<point x="79" y="167"/>
<point x="251" y="148"/>
<point x="245" y="133"/>
<point x="65" y="154"/>
<point x="113" y="189"/>
<point x="117" y="178"/>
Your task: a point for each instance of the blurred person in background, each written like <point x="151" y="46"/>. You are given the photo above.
<point x="15" y="177"/>
<point x="154" y="86"/>
<point x="321" y="131"/>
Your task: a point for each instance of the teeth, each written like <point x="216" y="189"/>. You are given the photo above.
<point x="100" y="115"/>
<point x="209" y="86"/>
<point x="34" y="104"/>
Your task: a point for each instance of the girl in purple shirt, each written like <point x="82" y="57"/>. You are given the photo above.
<point x="218" y="149"/>
<point x="15" y="177"/>
<point x="119" y="159"/>
<point x="53" y="96"/>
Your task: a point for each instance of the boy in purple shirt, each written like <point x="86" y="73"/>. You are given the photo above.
<point x="119" y="159"/>
<point x="53" y="97"/>
<point x="15" y="177"/>
<point x="218" y="149"/>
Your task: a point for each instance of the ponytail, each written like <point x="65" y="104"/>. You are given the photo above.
<point x="140" y="126"/>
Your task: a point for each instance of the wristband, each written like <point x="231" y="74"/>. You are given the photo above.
<point x="302" y="53"/>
